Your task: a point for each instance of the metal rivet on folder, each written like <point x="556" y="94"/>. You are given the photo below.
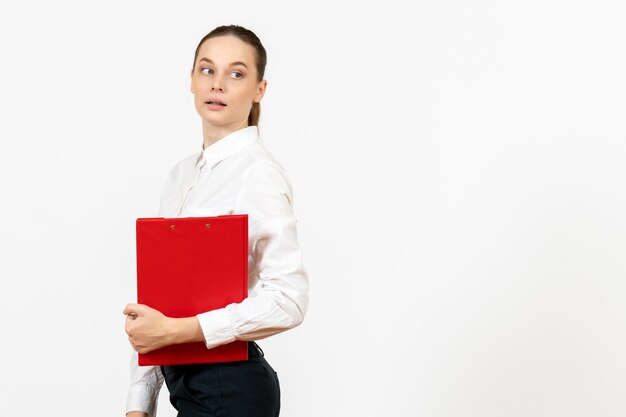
<point x="208" y="225"/>
<point x="172" y="227"/>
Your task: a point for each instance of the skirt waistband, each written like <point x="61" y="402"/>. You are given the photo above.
<point x="254" y="350"/>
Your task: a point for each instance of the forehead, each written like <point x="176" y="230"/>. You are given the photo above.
<point x="226" y="49"/>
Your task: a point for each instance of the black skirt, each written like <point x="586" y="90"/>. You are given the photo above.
<point x="231" y="389"/>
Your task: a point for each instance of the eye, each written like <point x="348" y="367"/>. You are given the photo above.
<point x="236" y="74"/>
<point x="206" y="71"/>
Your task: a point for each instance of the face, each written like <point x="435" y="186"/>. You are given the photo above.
<point x="224" y="82"/>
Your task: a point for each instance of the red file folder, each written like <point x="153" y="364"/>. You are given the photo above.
<point x="187" y="266"/>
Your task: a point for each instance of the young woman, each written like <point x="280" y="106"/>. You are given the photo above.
<point x="232" y="174"/>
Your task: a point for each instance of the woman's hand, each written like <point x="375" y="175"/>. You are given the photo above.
<point x="149" y="329"/>
<point x="136" y="414"/>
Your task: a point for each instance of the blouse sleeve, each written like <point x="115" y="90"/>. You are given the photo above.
<point x="281" y="297"/>
<point x="145" y="384"/>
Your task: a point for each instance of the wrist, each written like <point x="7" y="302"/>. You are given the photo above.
<point x="186" y="330"/>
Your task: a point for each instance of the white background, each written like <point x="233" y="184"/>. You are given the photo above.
<point x="459" y="182"/>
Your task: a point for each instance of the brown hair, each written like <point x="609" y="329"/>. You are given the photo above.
<point x="251" y="39"/>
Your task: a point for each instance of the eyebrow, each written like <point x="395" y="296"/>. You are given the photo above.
<point x="231" y="64"/>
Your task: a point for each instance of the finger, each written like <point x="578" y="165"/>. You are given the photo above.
<point x="128" y="325"/>
<point x="128" y="309"/>
<point x="142" y="350"/>
<point x="131" y="317"/>
<point x="138" y="347"/>
<point x="133" y="309"/>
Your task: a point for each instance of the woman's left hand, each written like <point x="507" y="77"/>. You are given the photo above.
<point x="148" y="329"/>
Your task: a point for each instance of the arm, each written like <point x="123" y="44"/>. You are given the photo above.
<point x="145" y="384"/>
<point x="280" y="299"/>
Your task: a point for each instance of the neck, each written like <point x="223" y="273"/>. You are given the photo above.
<point x="212" y="133"/>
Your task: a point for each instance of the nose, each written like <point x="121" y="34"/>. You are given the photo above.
<point x="216" y="86"/>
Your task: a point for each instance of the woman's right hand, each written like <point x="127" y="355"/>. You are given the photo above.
<point x="136" y="414"/>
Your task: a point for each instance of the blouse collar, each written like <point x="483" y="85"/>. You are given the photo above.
<point x="227" y="146"/>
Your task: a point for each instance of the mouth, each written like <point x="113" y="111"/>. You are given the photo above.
<point x="216" y="103"/>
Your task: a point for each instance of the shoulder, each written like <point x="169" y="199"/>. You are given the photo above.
<point x="265" y="180"/>
<point x="263" y="170"/>
<point x="258" y="155"/>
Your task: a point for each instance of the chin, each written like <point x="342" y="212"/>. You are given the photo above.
<point x="217" y="121"/>
<point x="214" y="117"/>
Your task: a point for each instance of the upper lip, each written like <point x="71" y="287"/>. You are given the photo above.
<point x="215" y="100"/>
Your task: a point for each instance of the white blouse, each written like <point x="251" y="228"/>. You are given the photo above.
<point x="237" y="175"/>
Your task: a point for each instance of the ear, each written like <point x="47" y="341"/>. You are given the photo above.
<point x="191" y="82"/>
<point x="260" y="91"/>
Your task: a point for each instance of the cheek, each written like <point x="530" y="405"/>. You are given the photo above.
<point x="241" y="95"/>
<point x="252" y="92"/>
<point x="201" y="84"/>
<point x="196" y="88"/>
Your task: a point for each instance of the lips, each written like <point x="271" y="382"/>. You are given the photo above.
<point x="217" y="102"/>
